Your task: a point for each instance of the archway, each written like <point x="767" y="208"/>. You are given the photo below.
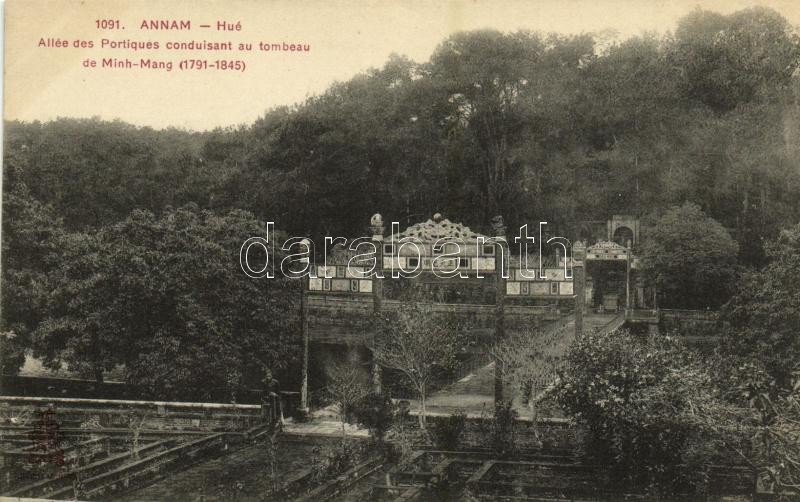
<point x="623" y="235"/>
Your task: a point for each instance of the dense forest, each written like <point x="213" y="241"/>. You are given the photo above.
<point x="534" y="127"/>
<point x="531" y="126"/>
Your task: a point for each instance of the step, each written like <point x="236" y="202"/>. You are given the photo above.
<point x="48" y="486"/>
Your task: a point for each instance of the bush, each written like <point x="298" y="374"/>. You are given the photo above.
<point x="405" y="438"/>
<point x="375" y="412"/>
<point x="651" y="411"/>
<point x="331" y="460"/>
<point x="502" y="429"/>
<point x="447" y="433"/>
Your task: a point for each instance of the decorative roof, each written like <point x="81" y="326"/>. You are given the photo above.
<point x="607" y="245"/>
<point x="438" y="228"/>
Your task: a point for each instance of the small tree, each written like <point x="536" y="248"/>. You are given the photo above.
<point x="274" y="430"/>
<point x="419" y="343"/>
<point x="347" y="384"/>
<point x="531" y="360"/>
<point x="135" y="423"/>
<point x="502" y="429"/>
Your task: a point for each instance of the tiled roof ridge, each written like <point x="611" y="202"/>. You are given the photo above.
<point x="431" y="230"/>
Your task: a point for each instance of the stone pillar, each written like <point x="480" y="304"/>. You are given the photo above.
<point x="500" y="256"/>
<point x="579" y="283"/>
<point x="628" y="277"/>
<point x="377" y="229"/>
<point x="305" y="334"/>
<point x="640" y="301"/>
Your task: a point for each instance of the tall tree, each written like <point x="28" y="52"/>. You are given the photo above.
<point x="729" y="60"/>
<point x="32" y="237"/>
<point x="763" y="317"/>
<point x="484" y="75"/>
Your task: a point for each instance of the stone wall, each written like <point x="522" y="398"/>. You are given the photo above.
<point x="550" y="435"/>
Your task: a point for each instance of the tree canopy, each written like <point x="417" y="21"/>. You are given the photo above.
<point x="535" y="127"/>
<point x="164" y="296"/>
<point x="763" y="317"/>
<point x="690" y="258"/>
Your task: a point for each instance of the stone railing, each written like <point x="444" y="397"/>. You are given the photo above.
<point x="343" y="319"/>
<point x="683" y="314"/>
<point x="158" y="415"/>
<point x="642" y="315"/>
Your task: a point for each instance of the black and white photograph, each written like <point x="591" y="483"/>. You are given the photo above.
<point x="400" y="250"/>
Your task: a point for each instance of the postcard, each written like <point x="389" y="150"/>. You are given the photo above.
<point x="400" y="250"/>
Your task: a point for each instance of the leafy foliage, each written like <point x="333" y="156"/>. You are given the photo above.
<point x="376" y="412"/>
<point x="447" y="433"/>
<point x="775" y="440"/>
<point x="778" y="448"/>
<point x="329" y="460"/>
<point x="690" y="258"/>
<point x="730" y="59"/>
<point x="757" y="363"/>
<point x="652" y="412"/>
<point x="165" y="297"/>
<point x="763" y="317"/>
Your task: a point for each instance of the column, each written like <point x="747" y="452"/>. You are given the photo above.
<point x="579" y="286"/>
<point x="304" y="332"/>
<point x="500" y="256"/>
<point x="377" y="228"/>
<point x="628" y="277"/>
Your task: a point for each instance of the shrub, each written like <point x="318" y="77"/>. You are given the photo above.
<point x="447" y="433"/>
<point x="404" y="438"/>
<point x="502" y="429"/>
<point x="375" y="412"/>
<point x="651" y="411"/>
<point x="331" y="460"/>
